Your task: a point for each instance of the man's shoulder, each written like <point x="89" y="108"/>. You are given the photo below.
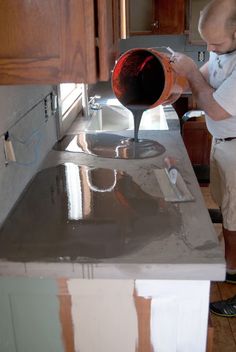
<point x="223" y="63"/>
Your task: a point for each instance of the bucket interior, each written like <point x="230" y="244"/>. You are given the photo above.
<point x="138" y="79"/>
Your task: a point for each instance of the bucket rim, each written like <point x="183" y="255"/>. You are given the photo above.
<point x="163" y="60"/>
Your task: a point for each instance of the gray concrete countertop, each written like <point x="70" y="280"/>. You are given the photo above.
<point x="178" y="243"/>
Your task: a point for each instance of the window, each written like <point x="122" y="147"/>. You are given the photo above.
<point x="70" y="104"/>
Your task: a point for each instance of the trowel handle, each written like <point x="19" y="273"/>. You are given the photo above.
<point x="170" y="162"/>
<point x="171" y="169"/>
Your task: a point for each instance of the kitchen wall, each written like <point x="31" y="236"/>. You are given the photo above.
<point x="176" y="42"/>
<point x="32" y="134"/>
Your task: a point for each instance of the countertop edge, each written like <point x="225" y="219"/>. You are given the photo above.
<point x="210" y="272"/>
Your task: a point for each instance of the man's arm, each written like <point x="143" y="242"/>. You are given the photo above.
<point x="198" y="82"/>
<point x="204" y="71"/>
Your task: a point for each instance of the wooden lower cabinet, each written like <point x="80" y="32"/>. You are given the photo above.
<point x="194" y="131"/>
<point x="68" y="315"/>
<point x="197" y="140"/>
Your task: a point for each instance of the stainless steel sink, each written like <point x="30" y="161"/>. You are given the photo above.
<point x="111" y="118"/>
<point x="118" y="118"/>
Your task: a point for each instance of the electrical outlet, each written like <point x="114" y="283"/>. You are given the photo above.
<point x="9" y="151"/>
<point x="201" y="56"/>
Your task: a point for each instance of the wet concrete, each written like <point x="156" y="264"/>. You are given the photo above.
<point x="110" y="146"/>
<point x="74" y="211"/>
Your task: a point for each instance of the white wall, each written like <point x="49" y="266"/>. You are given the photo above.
<point x="22" y="115"/>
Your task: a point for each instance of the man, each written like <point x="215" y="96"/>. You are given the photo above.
<point x="214" y="88"/>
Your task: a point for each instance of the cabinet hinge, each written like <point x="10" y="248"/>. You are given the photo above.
<point x="50" y="105"/>
<point x="54" y="102"/>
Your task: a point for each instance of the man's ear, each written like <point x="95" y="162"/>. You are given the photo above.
<point x="235" y="35"/>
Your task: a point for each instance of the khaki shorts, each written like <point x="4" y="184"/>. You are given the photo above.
<point x="223" y="180"/>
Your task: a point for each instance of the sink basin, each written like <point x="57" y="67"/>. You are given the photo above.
<point x="118" y="118"/>
<point x="111" y="118"/>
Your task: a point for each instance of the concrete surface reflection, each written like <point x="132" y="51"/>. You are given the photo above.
<point x="74" y="211"/>
<point x="109" y="145"/>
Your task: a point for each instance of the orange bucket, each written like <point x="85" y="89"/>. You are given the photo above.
<point x="144" y="77"/>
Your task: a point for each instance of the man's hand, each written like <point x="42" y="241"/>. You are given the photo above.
<point x="183" y="65"/>
<point x="199" y="85"/>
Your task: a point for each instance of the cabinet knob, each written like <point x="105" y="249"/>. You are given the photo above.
<point x="155" y="25"/>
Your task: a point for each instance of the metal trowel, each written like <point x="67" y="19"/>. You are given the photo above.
<point x="172" y="184"/>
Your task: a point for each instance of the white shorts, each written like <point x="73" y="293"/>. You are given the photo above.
<point x="223" y="180"/>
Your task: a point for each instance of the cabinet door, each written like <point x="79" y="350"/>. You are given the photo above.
<point x="108" y="12"/>
<point x="7" y="338"/>
<point x="30" y="318"/>
<point x="169" y="17"/>
<point x="197" y="141"/>
<point x="140" y="16"/>
<point x="53" y="41"/>
<point x="156" y="17"/>
<point x="194" y="12"/>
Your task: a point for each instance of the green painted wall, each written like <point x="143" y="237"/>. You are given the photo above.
<point x="29" y="315"/>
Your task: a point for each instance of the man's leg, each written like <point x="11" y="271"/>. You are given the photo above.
<point x="224" y="162"/>
<point x="230" y="254"/>
<point x="223" y="187"/>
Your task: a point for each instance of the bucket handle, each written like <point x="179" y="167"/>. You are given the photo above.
<point x="172" y="57"/>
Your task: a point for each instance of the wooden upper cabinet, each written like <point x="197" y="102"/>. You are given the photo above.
<point x="169" y="17"/>
<point x="54" y="41"/>
<point x="156" y="17"/>
<point x="109" y="28"/>
<point x="195" y="7"/>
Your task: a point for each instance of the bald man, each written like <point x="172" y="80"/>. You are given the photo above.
<point x="214" y="88"/>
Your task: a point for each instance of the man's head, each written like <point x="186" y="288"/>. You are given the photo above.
<point x="217" y="26"/>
